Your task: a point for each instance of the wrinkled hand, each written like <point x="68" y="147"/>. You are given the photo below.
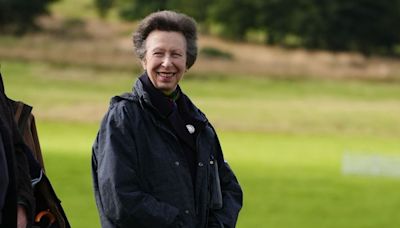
<point x="22" y="220"/>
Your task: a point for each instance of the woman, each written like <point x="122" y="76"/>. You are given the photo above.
<point x="156" y="160"/>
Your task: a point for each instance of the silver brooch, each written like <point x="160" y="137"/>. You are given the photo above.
<point x="190" y="128"/>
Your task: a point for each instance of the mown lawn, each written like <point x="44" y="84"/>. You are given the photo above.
<point x="285" y="139"/>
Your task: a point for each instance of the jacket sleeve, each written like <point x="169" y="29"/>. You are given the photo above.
<point x="119" y="192"/>
<point x="232" y="195"/>
<point x="25" y="196"/>
<point x="24" y="192"/>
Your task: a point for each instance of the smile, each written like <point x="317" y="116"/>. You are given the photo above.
<point x="166" y="74"/>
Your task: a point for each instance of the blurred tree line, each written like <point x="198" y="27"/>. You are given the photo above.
<point x="18" y="16"/>
<point x="366" y="26"/>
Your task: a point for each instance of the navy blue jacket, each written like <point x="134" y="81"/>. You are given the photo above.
<point x="142" y="177"/>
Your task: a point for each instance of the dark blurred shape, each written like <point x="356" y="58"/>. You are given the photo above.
<point x="18" y="16"/>
<point x="49" y="212"/>
<point x="211" y="52"/>
<point x="103" y="6"/>
<point x="16" y="190"/>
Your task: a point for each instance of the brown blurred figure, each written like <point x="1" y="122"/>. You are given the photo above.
<point x="16" y="194"/>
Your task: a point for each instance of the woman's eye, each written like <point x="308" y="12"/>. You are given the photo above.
<point x="158" y="53"/>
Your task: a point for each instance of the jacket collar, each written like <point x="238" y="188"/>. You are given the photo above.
<point x="161" y="102"/>
<point x="146" y="92"/>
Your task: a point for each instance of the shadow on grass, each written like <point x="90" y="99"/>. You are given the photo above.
<point x="70" y="176"/>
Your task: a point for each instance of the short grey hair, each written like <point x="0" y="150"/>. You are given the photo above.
<point x="167" y="21"/>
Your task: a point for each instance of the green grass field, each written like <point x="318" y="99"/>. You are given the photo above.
<point x="284" y="139"/>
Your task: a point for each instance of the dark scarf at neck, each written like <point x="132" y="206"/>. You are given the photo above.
<point x="163" y="103"/>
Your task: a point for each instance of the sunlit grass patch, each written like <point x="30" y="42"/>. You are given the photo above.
<point x="296" y="181"/>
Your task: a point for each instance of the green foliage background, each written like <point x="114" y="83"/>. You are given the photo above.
<point x="18" y="16"/>
<point x="366" y="26"/>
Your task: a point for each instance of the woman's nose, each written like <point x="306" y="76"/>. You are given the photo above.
<point x="166" y="61"/>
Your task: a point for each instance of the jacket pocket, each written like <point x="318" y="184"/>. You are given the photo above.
<point x="215" y="186"/>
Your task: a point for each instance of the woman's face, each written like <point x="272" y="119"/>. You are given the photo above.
<point x="165" y="59"/>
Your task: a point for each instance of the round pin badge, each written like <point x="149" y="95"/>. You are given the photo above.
<point x="190" y="128"/>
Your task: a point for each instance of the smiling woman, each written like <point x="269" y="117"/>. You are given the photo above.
<point x="157" y="161"/>
<point x="165" y="59"/>
<point x="167" y="47"/>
